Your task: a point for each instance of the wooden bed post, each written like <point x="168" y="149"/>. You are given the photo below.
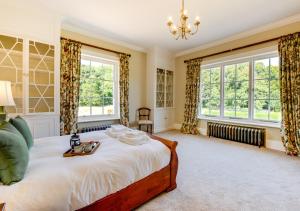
<point x="173" y="161"/>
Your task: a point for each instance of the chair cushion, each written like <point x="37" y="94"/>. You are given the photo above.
<point x="23" y="128"/>
<point x="14" y="154"/>
<point x="144" y="122"/>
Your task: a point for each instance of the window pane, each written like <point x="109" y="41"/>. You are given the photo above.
<point x="108" y="72"/>
<point x="274" y="89"/>
<point x="275" y="113"/>
<point x="274" y="70"/>
<point x="97" y="110"/>
<point x="241" y="108"/>
<point x="261" y="109"/>
<point x="205" y="91"/>
<point x="229" y="72"/>
<point x="85" y="68"/>
<point x="261" y="69"/>
<point x="205" y="76"/>
<point x="96" y="87"/>
<point x="242" y="71"/>
<point x="204" y="107"/>
<point x="229" y="108"/>
<point x="107" y="88"/>
<point x="96" y="71"/>
<point x="214" y="107"/>
<point x="108" y="105"/>
<point x="261" y="89"/>
<point x="84" y="108"/>
<point x="229" y="90"/>
<point x="215" y="75"/>
<point x="215" y="91"/>
<point x="242" y="88"/>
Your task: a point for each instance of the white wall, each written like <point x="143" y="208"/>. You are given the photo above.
<point x="163" y="118"/>
<point x="42" y="26"/>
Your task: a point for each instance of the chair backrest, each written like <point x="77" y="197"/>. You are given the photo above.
<point x="144" y="113"/>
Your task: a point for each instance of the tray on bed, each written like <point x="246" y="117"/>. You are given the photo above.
<point x="71" y="153"/>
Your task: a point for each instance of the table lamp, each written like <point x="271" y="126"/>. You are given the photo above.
<point x="6" y="98"/>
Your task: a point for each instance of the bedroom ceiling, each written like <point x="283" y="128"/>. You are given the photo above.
<point x="143" y="23"/>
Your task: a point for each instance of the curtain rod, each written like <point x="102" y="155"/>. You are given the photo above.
<point x="94" y="46"/>
<point x="234" y="49"/>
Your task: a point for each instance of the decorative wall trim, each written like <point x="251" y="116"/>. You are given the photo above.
<point x="280" y="23"/>
<point x="97" y="35"/>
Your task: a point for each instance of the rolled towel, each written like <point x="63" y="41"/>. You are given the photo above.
<point x="142" y="139"/>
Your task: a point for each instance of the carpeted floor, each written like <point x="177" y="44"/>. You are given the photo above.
<point x="217" y="174"/>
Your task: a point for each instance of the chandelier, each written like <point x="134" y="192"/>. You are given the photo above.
<point x="184" y="28"/>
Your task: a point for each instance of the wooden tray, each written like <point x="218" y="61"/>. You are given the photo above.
<point x="69" y="152"/>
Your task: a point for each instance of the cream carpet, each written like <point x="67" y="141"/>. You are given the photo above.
<point x="216" y="174"/>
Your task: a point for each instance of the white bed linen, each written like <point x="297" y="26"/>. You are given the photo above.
<point x="53" y="182"/>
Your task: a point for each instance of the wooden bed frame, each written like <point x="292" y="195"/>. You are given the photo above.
<point x="143" y="190"/>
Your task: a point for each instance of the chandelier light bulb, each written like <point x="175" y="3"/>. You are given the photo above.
<point x="170" y="21"/>
<point x="174" y="28"/>
<point x="197" y="20"/>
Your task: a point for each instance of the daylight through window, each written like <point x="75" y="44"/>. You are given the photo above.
<point x="98" y="87"/>
<point x="243" y="89"/>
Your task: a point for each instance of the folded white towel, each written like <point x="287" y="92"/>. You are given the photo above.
<point x="142" y="139"/>
<point x="118" y="128"/>
<point x="115" y="134"/>
<point x="134" y="133"/>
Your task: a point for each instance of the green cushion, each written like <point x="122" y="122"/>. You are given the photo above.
<point x="14" y="154"/>
<point x="23" y="128"/>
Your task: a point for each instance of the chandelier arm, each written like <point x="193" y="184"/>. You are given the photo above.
<point x="192" y="33"/>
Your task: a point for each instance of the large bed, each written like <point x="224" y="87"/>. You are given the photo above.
<point x="117" y="176"/>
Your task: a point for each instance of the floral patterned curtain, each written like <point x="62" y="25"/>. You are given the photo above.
<point x="289" y="52"/>
<point x="192" y="91"/>
<point x="69" y="85"/>
<point x="124" y="89"/>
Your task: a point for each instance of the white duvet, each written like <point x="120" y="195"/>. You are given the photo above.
<point x="53" y="182"/>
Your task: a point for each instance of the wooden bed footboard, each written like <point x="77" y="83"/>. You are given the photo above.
<point x="143" y="190"/>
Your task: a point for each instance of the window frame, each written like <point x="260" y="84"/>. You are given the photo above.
<point x="222" y="63"/>
<point x="110" y="60"/>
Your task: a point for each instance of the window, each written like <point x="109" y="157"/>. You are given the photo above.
<point x="98" y="96"/>
<point x="210" y="95"/>
<point x="266" y="89"/>
<point x="236" y="85"/>
<point x="242" y="89"/>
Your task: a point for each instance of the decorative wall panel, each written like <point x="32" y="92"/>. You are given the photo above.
<point x="164" y="88"/>
<point x="41" y="77"/>
<point x="169" y="88"/>
<point x="160" y="88"/>
<point x="11" y="69"/>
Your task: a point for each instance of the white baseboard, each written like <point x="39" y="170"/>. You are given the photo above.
<point x="177" y="126"/>
<point x="270" y="144"/>
<point x="275" y="144"/>
<point x="202" y="131"/>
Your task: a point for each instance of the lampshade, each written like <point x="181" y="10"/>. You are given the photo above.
<point x="6" y="98"/>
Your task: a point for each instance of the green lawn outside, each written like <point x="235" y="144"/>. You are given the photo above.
<point x="259" y="115"/>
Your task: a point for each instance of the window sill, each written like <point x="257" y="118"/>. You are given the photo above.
<point x="84" y="119"/>
<point x="242" y="121"/>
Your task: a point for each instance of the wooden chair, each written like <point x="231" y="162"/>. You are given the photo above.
<point x="144" y="118"/>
